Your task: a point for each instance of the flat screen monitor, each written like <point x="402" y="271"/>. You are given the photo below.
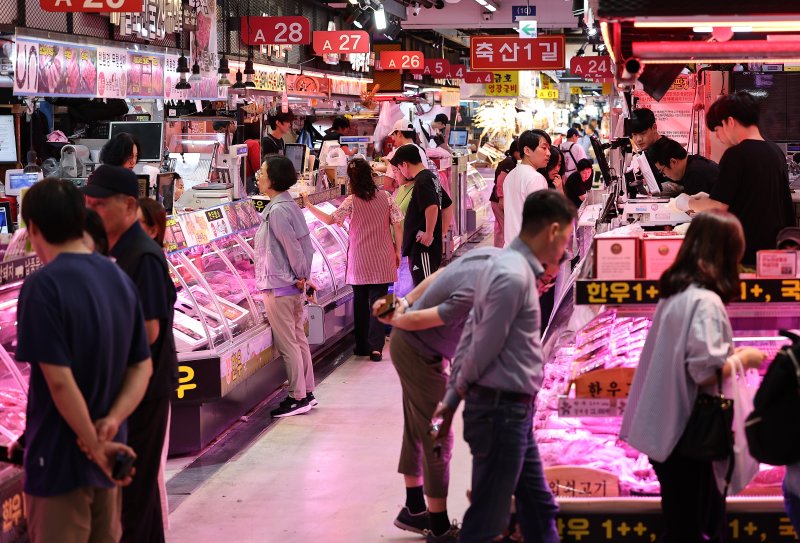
<point x="149" y="134"/>
<point x="650" y="180"/>
<point x="8" y="141"/>
<point x="18" y="180"/>
<point x="296" y="152"/>
<point x="6" y="220"/>
<point x="458" y="138"/>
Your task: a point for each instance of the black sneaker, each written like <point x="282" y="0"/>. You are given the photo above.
<point x="312" y="401"/>
<point x="418" y="523"/>
<point x="290" y="406"/>
<point x="450" y="536"/>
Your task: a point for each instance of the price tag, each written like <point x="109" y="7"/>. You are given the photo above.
<point x="91" y="6"/>
<point x="275" y="30"/>
<point x="402" y="60"/>
<point x="341" y="41"/>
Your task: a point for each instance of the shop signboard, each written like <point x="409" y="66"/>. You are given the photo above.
<point x="145" y="75"/>
<point x="402" y="60"/>
<point x="112" y="76"/>
<point x="92" y="6"/>
<point x="44" y="68"/>
<point x="306" y="85"/>
<point x="518" y="12"/>
<point x="269" y="80"/>
<point x="435" y="67"/>
<point x="276" y="30"/>
<point x="475" y="78"/>
<point x="675" y="109"/>
<point x="503" y="84"/>
<point x="341" y="41"/>
<point x="597" y="69"/>
<point x="506" y="53"/>
<point x="456" y="71"/>
<point x="547" y="94"/>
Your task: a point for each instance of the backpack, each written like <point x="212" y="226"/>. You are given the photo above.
<point x="773" y="430"/>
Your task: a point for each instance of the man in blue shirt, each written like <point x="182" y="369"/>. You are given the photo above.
<point x="498" y="369"/>
<point x="80" y="326"/>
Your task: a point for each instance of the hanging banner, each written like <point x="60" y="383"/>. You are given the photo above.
<point x="269" y="80"/>
<point x="597" y="69"/>
<point x="91" y="6"/>
<point x="674" y="111"/>
<point x="275" y="31"/>
<point x="513" y="53"/>
<point x="504" y="84"/>
<point x="55" y="69"/>
<point x="456" y="71"/>
<point x="112" y="76"/>
<point x="341" y="41"/>
<point x="203" y="51"/>
<point x="145" y="75"/>
<point x="299" y="85"/>
<point x="26" y="68"/>
<point x="171" y="78"/>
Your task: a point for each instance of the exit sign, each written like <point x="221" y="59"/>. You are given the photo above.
<point x="522" y="11"/>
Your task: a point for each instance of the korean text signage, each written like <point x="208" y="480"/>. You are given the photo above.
<point x="402" y="60"/>
<point x="457" y="71"/>
<point x="341" y="41"/>
<point x="436" y="67"/>
<point x="509" y="53"/>
<point x="92" y="6"/>
<point x="55" y="69"/>
<point x="276" y="30"/>
<point x="592" y="68"/>
<point x="475" y="78"/>
<point x="504" y="84"/>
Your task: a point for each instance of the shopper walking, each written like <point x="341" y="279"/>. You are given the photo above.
<point x="686" y="352"/>
<point x="113" y="192"/>
<point x="498" y="370"/>
<point x="496" y="198"/>
<point x="78" y="388"/>
<point x="573" y="151"/>
<point x="422" y="229"/>
<point x="427" y="325"/>
<point x="372" y="255"/>
<point x="283" y="264"/>
<point x="534" y="147"/>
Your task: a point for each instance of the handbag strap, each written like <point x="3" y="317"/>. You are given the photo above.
<point x="719" y="381"/>
<point x="790" y="352"/>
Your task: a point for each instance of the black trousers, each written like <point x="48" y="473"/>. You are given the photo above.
<point x="370" y="333"/>
<point x="141" y="502"/>
<point x="424" y="262"/>
<point x="692" y="505"/>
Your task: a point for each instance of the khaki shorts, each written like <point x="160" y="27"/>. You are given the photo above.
<point x="85" y="515"/>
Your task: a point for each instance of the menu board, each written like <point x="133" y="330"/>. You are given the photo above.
<point x="8" y="142"/>
<point x="55" y="69"/>
<point x="145" y="75"/>
<point x="112" y="80"/>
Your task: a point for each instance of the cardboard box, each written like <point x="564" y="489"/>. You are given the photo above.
<point x="616" y="258"/>
<point x="776" y="264"/>
<point x="659" y="250"/>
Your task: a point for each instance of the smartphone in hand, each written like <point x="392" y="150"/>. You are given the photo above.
<point x="389" y="305"/>
<point x="122" y="466"/>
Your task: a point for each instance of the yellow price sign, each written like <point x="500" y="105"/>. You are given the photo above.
<point x="547" y="94"/>
<point x="575" y="90"/>
<point x="504" y="84"/>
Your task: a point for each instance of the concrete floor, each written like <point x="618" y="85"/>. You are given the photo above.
<point x="329" y="475"/>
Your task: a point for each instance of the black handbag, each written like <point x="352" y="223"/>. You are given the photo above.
<point x="708" y="435"/>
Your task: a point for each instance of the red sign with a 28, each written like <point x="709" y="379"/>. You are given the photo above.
<point x="341" y="41"/>
<point x="91" y="6"/>
<point x="275" y="30"/>
<point x="510" y="53"/>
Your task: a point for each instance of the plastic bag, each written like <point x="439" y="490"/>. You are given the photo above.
<point x="745" y="466"/>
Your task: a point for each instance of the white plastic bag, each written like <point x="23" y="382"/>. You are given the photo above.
<point x="745" y="467"/>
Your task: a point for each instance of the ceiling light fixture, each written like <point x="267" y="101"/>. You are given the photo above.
<point x="183" y="69"/>
<point x="223" y="72"/>
<point x="756" y="24"/>
<point x="249" y="72"/>
<point x="393" y="29"/>
<point x="362" y="19"/>
<point x="239" y="83"/>
<point x="491" y="7"/>
<point x="195" y="77"/>
<point x="743" y="51"/>
<point x="380" y="18"/>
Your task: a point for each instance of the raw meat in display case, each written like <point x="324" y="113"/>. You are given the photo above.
<point x="335" y="252"/>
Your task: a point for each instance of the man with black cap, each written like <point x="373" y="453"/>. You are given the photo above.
<point x="644" y="133"/>
<point x="113" y="192"/>
<point x="573" y="152"/>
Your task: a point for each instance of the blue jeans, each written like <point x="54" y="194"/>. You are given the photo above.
<point x="791" y="503"/>
<point x="505" y="462"/>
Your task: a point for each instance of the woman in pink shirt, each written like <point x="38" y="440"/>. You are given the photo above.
<point x="372" y="257"/>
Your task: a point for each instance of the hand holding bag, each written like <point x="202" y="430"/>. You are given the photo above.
<point x="708" y="434"/>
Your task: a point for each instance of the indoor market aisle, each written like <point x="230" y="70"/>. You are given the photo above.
<point x="329" y="475"/>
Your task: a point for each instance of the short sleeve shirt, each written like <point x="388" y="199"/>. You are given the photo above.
<point x="505" y="166"/>
<point x="427" y="192"/>
<point x="81" y="312"/>
<point x="575" y="187"/>
<point x="272" y="146"/>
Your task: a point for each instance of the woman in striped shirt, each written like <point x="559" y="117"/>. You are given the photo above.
<point x="372" y="257"/>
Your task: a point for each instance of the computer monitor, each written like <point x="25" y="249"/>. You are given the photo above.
<point x="458" y="138"/>
<point x="18" y="180"/>
<point x="647" y="173"/>
<point x="6" y="219"/>
<point x="297" y="153"/>
<point x="149" y="134"/>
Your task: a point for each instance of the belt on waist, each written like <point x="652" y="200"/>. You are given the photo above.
<point x="500" y="395"/>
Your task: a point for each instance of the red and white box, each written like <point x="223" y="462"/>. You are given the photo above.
<point x="776" y="264"/>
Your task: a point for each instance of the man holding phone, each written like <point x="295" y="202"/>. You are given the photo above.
<point x="427" y="325"/>
<point x="81" y="328"/>
<point x="422" y="229"/>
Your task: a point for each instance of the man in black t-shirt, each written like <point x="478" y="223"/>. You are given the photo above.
<point x="753" y="178"/>
<point x="694" y="173"/>
<point x="579" y="182"/>
<point x="280" y="125"/>
<point x="644" y="132"/>
<point x="422" y="229"/>
<point x="113" y="192"/>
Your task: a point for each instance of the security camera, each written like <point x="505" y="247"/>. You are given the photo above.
<point x="416" y="9"/>
<point x="487" y="15"/>
<point x="631" y="70"/>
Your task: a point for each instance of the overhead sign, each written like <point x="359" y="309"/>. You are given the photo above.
<point x="592" y="68"/>
<point x="475" y="78"/>
<point x="275" y="30"/>
<point x="92" y="6"/>
<point x="340" y="41"/>
<point x="436" y="67"/>
<point x="528" y="27"/>
<point x="402" y="60"/>
<point x="547" y="94"/>
<point x="506" y="53"/>
<point x="456" y="71"/>
<point x="522" y="11"/>
<point x="504" y="84"/>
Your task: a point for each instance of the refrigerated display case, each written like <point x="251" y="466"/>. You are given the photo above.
<point x="605" y="487"/>
<point x="224" y="341"/>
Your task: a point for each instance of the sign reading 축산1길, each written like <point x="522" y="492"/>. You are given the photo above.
<point x="507" y="53"/>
